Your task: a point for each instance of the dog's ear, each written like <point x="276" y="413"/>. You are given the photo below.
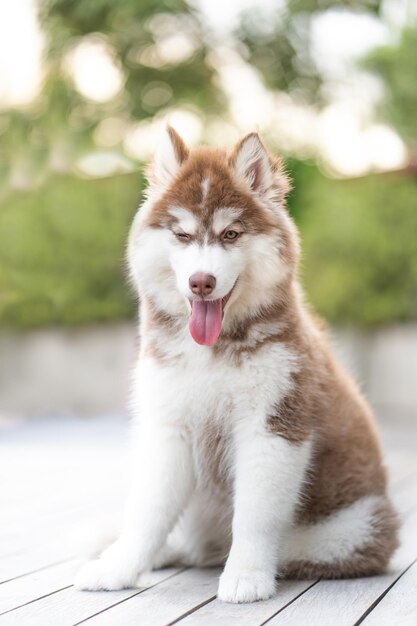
<point x="254" y="165"/>
<point x="170" y="155"/>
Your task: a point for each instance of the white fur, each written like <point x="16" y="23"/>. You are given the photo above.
<point x="187" y="221"/>
<point x="205" y="185"/>
<point x="150" y="268"/>
<point x="224" y="264"/>
<point x="269" y="473"/>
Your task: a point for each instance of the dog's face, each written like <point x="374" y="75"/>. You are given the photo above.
<point x="213" y="238"/>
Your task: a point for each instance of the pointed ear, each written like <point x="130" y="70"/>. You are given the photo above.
<point x="170" y="155"/>
<point x="253" y="164"/>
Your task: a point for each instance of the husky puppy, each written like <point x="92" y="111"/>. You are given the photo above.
<point x="253" y="447"/>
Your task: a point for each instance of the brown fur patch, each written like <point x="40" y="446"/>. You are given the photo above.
<point x="325" y="403"/>
<point x="224" y="190"/>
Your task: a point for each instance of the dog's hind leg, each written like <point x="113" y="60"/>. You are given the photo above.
<point x="355" y="541"/>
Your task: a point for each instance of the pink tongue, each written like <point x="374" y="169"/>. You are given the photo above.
<point x="206" y="321"/>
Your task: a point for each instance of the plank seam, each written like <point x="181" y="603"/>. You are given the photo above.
<point x="382" y="596"/>
<point x="137" y="593"/>
<point x="191" y="611"/>
<point x="46" y="595"/>
<point x="38" y="569"/>
<point x="291" y="601"/>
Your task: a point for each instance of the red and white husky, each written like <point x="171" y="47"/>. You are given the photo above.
<point x="253" y="448"/>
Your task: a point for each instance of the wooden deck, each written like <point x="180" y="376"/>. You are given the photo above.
<point x="58" y="475"/>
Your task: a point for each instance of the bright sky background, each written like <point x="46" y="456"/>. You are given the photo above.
<point x="344" y="133"/>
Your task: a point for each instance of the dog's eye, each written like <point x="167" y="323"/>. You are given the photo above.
<point x="229" y="235"/>
<point x="183" y="236"/>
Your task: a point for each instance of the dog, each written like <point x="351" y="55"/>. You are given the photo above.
<point x="253" y="449"/>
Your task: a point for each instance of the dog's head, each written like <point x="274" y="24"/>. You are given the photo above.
<point x="213" y="240"/>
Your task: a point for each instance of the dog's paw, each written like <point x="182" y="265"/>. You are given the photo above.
<point x="245" y="586"/>
<point x="114" y="570"/>
<point x="101" y="575"/>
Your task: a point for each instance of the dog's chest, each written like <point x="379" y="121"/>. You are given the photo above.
<point x="220" y="395"/>
<point x="219" y="385"/>
<point x="210" y="395"/>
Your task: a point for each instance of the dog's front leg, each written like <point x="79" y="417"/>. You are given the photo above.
<point x="269" y="472"/>
<point x="162" y="483"/>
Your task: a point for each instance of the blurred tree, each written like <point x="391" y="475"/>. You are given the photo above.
<point x="278" y="44"/>
<point x="160" y="48"/>
<point x="397" y="67"/>
<point x="153" y="41"/>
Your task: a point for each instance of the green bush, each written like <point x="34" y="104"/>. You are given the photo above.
<point x="62" y="249"/>
<point x="359" y="247"/>
<point x="62" y="252"/>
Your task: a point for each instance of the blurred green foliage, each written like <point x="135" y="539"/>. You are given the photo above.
<point x="52" y="132"/>
<point x="59" y="125"/>
<point x="397" y="66"/>
<point x="134" y="31"/>
<point x="359" y="246"/>
<point x="62" y="253"/>
<point x="278" y="44"/>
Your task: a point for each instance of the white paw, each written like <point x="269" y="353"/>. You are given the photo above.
<point x="112" y="571"/>
<point x="245" y="586"/>
<point x="102" y="575"/>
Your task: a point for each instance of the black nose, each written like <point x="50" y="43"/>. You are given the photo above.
<point x="202" y="284"/>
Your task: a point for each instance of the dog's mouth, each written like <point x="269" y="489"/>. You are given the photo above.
<point x="206" y="319"/>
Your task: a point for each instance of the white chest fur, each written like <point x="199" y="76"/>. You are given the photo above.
<point x="200" y="384"/>
<point x="206" y="396"/>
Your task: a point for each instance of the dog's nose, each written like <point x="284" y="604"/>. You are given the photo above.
<point x="202" y="284"/>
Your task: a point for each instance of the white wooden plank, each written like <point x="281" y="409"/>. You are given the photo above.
<point x="58" y="464"/>
<point x="69" y="606"/>
<point x="28" y="588"/>
<point x="226" y="614"/>
<point x="64" y="525"/>
<point x="399" y="464"/>
<point x="399" y="605"/>
<point x="37" y="559"/>
<point x="62" y="472"/>
<point x="331" y="602"/>
<point x="165" y="603"/>
<point x="407" y="550"/>
<point x="48" y="508"/>
<point x="404" y="495"/>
